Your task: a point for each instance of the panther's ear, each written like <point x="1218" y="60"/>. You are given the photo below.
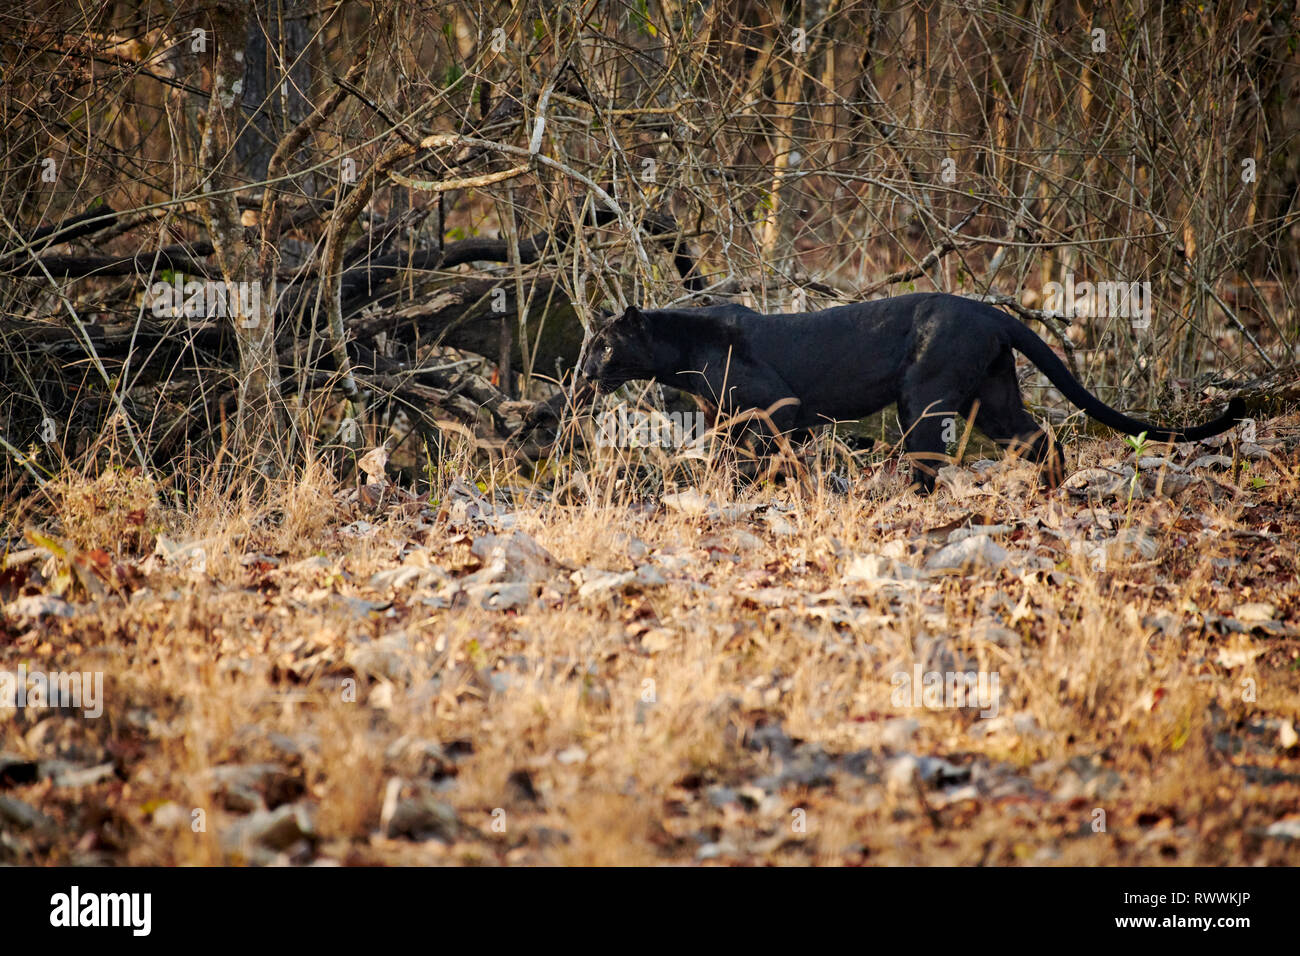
<point x="635" y="318"/>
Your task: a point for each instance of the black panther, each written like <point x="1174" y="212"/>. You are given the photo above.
<point x="933" y="354"/>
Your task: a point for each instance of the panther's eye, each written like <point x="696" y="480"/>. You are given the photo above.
<point x="609" y="351"/>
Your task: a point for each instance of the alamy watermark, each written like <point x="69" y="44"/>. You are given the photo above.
<point x="1117" y="300"/>
<point x="208" y="299"/>
<point x="39" y="690"/>
<point x="624" y="427"/>
<point x="941" y="690"/>
<point x="132" y="911"/>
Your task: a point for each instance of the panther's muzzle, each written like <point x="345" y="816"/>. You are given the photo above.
<point x="585" y="391"/>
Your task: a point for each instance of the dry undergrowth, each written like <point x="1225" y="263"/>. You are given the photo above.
<point x="487" y="676"/>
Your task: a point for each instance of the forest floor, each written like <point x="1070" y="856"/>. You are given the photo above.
<point x="775" y="675"/>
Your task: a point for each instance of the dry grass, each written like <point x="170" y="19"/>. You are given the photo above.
<point x="742" y="711"/>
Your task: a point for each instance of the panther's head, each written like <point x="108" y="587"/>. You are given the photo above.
<point x="619" y="352"/>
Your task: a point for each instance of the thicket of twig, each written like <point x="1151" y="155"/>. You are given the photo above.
<point x="432" y="202"/>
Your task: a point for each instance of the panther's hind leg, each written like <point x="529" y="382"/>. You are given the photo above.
<point x="928" y="416"/>
<point x="1003" y="418"/>
<point x="933" y="401"/>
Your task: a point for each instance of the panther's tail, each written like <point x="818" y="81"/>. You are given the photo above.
<point x="1037" y="351"/>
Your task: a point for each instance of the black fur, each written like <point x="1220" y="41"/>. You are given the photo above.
<point x="932" y="354"/>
